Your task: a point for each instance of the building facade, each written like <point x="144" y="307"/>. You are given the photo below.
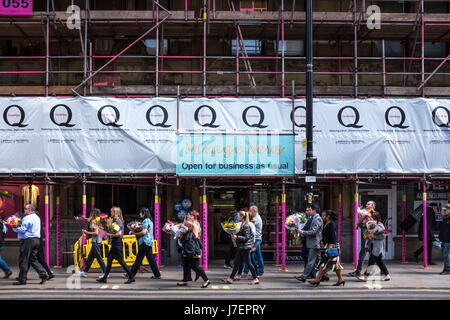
<point x="364" y="51"/>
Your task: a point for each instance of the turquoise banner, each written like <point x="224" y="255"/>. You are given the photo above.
<point x="235" y="155"/>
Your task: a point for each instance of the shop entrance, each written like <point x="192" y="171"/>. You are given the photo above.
<point x="384" y="199"/>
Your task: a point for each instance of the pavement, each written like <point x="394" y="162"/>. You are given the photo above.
<point x="408" y="281"/>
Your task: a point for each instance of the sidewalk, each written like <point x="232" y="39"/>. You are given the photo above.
<point x="404" y="276"/>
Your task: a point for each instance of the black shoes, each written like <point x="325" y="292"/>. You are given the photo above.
<point x="19" y="283"/>
<point x="444" y="272"/>
<point x="315" y="283"/>
<point x="7" y="274"/>
<point x="101" y="280"/>
<point x="206" y="284"/>
<point x="355" y="273"/>
<point x="43" y="280"/>
<point x="130" y="280"/>
<point x="338" y="284"/>
<point x="51" y="276"/>
<point x="325" y="278"/>
<point x="301" y="279"/>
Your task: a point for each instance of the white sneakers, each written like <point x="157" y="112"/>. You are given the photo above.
<point x="83" y="274"/>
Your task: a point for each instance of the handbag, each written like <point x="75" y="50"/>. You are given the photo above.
<point x="332" y="253"/>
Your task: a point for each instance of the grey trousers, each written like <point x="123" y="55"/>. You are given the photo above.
<point x="313" y="255"/>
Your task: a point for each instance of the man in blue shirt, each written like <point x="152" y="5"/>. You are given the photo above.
<point x="29" y="234"/>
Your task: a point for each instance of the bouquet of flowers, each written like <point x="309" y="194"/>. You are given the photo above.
<point x="231" y="227"/>
<point x="136" y="226"/>
<point x="363" y="214"/>
<point x="14" y="221"/>
<point x="182" y="229"/>
<point x="295" y="221"/>
<point x="170" y="227"/>
<point x="109" y="226"/>
<point x="373" y="229"/>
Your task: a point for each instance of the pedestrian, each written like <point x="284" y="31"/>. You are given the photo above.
<point x="145" y="246"/>
<point x="329" y="241"/>
<point x="244" y="240"/>
<point x="41" y="256"/>
<point x="96" y="243"/>
<point x="29" y="234"/>
<point x="313" y="235"/>
<point x="192" y="251"/>
<point x="431" y="210"/>
<point x="232" y="251"/>
<point x="370" y="206"/>
<point x="116" y="251"/>
<point x="376" y="246"/>
<point x="3" y="265"/>
<point x="252" y="256"/>
<point x="256" y="254"/>
<point x="444" y="236"/>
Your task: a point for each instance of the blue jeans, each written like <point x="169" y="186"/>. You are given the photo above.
<point x="257" y="259"/>
<point x="446" y="255"/>
<point x="3" y="264"/>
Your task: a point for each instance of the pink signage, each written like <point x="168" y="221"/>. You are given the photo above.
<point x="16" y="8"/>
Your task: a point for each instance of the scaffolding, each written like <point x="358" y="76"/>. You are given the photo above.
<point x="161" y="24"/>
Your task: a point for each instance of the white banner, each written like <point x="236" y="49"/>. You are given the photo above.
<point x="112" y="135"/>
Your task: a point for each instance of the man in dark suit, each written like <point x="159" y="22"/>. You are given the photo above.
<point x="431" y="210"/>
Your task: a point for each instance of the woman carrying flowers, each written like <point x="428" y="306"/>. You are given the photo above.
<point x="116" y="251"/>
<point x="377" y="238"/>
<point x="145" y="246"/>
<point x="96" y="247"/>
<point x="245" y="240"/>
<point x="192" y="250"/>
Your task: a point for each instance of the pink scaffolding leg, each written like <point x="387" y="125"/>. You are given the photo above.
<point x="355" y="231"/>
<point x="283" y="231"/>
<point x="403" y="232"/>
<point x="84" y="215"/>
<point x="205" y="233"/>
<point x="277" y="232"/>
<point x="47" y="225"/>
<point x="157" y="229"/>
<point x="340" y="224"/>
<point x="58" y="234"/>
<point x="425" y="247"/>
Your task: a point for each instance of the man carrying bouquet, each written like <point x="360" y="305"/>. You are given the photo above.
<point x="370" y="206"/>
<point x="313" y="236"/>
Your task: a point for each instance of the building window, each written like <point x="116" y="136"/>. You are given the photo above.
<point x="253" y="47"/>
<point x="392" y="48"/>
<point x="150" y="46"/>
<point x="435" y="50"/>
<point x="292" y="48"/>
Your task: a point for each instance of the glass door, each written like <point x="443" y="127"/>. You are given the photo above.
<point x="385" y="206"/>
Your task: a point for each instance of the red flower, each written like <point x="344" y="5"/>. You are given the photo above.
<point x="385" y="231"/>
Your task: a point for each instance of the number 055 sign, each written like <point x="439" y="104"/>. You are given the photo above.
<point x="12" y="8"/>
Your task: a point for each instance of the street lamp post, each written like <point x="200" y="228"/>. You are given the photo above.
<point x="310" y="163"/>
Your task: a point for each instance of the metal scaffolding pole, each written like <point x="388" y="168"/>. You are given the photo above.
<point x="282" y="51"/>
<point x="423" y="45"/>
<point x="355" y="41"/>
<point x="205" y="16"/>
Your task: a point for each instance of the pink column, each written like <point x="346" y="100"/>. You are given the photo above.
<point x="355" y="231"/>
<point x="425" y="249"/>
<point x="403" y="232"/>
<point x="47" y="227"/>
<point x="283" y="231"/>
<point x="84" y="215"/>
<point x="157" y="227"/>
<point x="277" y="232"/>
<point x="205" y="232"/>
<point x="201" y="221"/>
<point x="340" y="224"/>
<point x="58" y="231"/>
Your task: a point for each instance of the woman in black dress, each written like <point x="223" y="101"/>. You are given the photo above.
<point x="329" y="240"/>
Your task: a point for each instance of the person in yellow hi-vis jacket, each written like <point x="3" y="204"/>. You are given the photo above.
<point x="145" y="243"/>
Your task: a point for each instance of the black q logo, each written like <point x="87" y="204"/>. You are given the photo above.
<point x="437" y="120"/>
<point x="116" y="116"/>
<point x="213" y="117"/>
<point x="22" y="117"/>
<point x="303" y="125"/>
<point x="69" y="116"/>
<point x="402" y="116"/>
<point x="356" y="116"/>
<point x="261" y="117"/>
<point x="165" y="117"/>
